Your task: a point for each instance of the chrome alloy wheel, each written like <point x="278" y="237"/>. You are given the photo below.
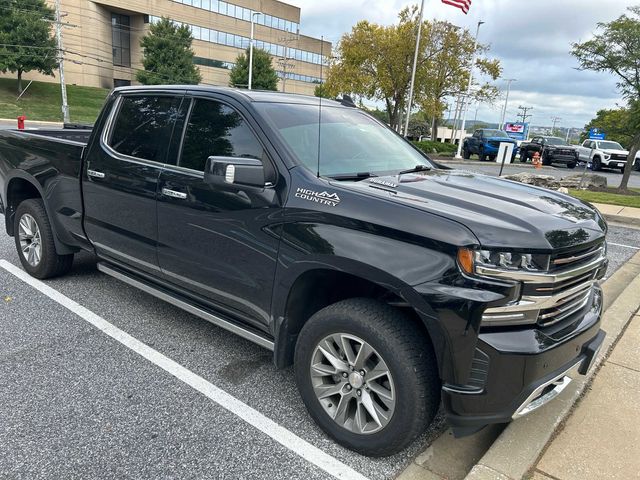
<point x="30" y="240"/>
<point x="353" y="383"/>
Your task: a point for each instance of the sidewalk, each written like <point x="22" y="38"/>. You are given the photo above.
<point x="601" y="439"/>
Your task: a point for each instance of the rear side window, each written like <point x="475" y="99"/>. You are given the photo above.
<point x="143" y="126"/>
<point x="215" y="129"/>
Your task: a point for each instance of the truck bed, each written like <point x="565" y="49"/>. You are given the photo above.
<point x="71" y="135"/>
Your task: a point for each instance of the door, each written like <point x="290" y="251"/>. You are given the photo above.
<point x="121" y="179"/>
<point x="221" y="245"/>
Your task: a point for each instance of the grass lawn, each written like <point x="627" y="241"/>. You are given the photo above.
<point x="42" y="101"/>
<point x="610" y="198"/>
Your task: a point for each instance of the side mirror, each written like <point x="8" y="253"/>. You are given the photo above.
<point x="234" y="173"/>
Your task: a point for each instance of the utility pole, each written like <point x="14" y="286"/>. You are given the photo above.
<point x="284" y="62"/>
<point x="506" y="101"/>
<point x="63" y="87"/>
<point x="555" y="121"/>
<point x="467" y="98"/>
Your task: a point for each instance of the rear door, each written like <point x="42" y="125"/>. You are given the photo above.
<point x="220" y="245"/>
<point x="120" y="180"/>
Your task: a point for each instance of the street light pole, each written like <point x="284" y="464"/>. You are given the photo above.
<point x="413" y="72"/>
<point x="63" y="86"/>
<point x="506" y="101"/>
<point x="465" y="100"/>
<point x="253" y="14"/>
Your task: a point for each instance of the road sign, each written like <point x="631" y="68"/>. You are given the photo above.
<point x="596" y="134"/>
<point x="505" y="153"/>
<point x="517" y="130"/>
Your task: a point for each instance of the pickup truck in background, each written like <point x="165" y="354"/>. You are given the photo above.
<point x="603" y="154"/>
<point x="551" y="149"/>
<point x="485" y="143"/>
<point x="392" y="285"/>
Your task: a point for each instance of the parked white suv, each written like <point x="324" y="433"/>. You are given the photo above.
<point x="603" y="153"/>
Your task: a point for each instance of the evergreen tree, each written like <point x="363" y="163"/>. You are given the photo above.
<point x="26" y="40"/>
<point x="168" y="57"/>
<point x="264" y="75"/>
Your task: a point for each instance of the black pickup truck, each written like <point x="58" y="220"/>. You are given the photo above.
<point x="390" y="284"/>
<point x="551" y="150"/>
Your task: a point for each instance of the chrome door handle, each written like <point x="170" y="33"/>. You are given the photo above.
<point x="95" y="174"/>
<point x="173" y="194"/>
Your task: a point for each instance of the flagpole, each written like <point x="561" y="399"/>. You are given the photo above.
<point x="413" y="73"/>
<point x="465" y="100"/>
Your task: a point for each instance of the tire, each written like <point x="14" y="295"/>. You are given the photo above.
<point x="571" y="165"/>
<point x="524" y="157"/>
<point x="636" y="166"/>
<point x="546" y="160"/>
<point x="596" y="164"/>
<point x="412" y="374"/>
<point x="466" y="154"/>
<point x="481" y="155"/>
<point x="47" y="263"/>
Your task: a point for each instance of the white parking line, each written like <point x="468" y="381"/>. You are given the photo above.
<point x="254" y="418"/>
<point x="624" y="246"/>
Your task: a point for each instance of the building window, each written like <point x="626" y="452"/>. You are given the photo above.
<point x="120" y="37"/>
<point x="119" y="82"/>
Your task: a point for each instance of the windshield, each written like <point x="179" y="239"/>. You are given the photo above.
<point x="496" y="133"/>
<point x="351" y="141"/>
<point x="611" y="146"/>
<point x="556" y="141"/>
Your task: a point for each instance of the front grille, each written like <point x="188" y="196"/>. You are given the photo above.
<point x="618" y="157"/>
<point x="566" y="306"/>
<point x="576" y="257"/>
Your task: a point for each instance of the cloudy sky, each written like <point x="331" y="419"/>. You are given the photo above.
<point x="531" y="38"/>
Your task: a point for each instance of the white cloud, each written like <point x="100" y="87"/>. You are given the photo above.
<point x="531" y="38"/>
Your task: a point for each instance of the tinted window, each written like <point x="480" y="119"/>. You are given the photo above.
<point x="143" y="126"/>
<point x="215" y="129"/>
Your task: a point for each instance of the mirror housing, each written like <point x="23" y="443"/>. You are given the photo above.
<point x="234" y="173"/>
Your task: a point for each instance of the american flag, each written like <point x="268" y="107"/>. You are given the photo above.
<point x="463" y="5"/>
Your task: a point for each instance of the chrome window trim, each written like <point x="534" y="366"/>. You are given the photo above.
<point x="106" y="133"/>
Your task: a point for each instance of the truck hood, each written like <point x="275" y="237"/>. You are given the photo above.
<point x="501" y="139"/>
<point x="500" y="213"/>
<point x="615" y="152"/>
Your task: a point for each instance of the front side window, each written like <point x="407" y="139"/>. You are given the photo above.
<point x="215" y="129"/>
<point x="143" y="126"/>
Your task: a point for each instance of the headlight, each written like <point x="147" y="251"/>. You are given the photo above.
<point x="607" y="157"/>
<point x="474" y="261"/>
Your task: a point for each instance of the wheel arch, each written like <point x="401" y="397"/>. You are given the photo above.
<point x="21" y="187"/>
<point x="316" y="288"/>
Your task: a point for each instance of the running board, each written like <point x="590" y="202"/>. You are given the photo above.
<point x="173" y="300"/>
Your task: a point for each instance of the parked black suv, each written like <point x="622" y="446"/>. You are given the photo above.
<point x="551" y="150"/>
<point x="389" y="283"/>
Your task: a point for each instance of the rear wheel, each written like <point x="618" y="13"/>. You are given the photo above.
<point x="34" y="241"/>
<point x="367" y="375"/>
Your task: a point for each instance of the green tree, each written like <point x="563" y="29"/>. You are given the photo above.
<point x="615" y="49"/>
<point x="376" y="61"/>
<point x="321" y="91"/>
<point x="168" y="57"/>
<point x="616" y="123"/>
<point x="264" y="75"/>
<point x="26" y="36"/>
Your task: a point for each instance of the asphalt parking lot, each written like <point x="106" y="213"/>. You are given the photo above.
<point x="100" y="380"/>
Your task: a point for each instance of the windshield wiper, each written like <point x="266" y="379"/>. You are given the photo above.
<point x="417" y="168"/>
<point x="352" y="176"/>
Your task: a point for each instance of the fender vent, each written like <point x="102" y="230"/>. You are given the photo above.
<point x="479" y="369"/>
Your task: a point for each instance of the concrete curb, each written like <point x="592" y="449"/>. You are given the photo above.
<point x="622" y="220"/>
<point x="519" y="446"/>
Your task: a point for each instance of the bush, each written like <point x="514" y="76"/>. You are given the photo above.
<point x="444" y="149"/>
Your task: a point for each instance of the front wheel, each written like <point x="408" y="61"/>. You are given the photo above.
<point x="571" y="165"/>
<point x="34" y="241"/>
<point x="596" y="164"/>
<point x="368" y="376"/>
<point x="466" y="154"/>
<point x="524" y="157"/>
